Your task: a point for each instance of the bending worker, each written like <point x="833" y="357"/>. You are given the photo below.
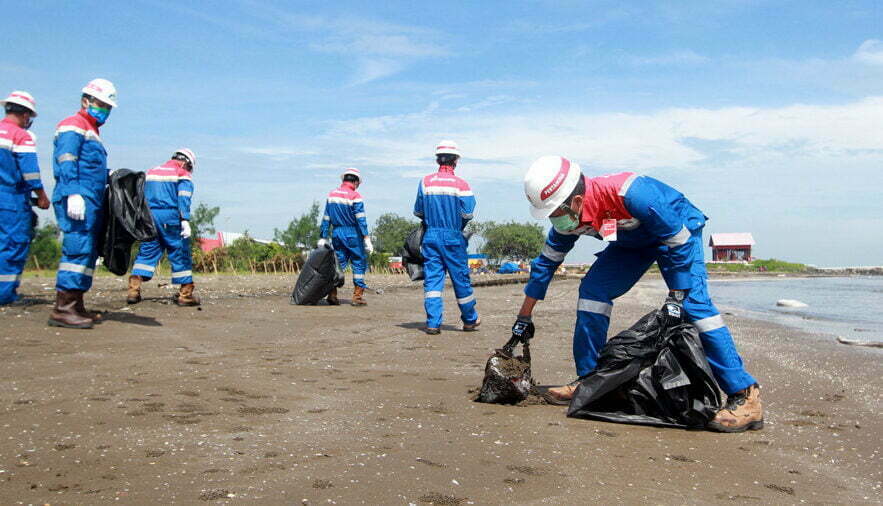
<point x="19" y="176"/>
<point x="169" y="191"/>
<point x="645" y="221"/>
<point x="445" y="205"/>
<point x="345" y="213"/>
<point x="80" y="166"/>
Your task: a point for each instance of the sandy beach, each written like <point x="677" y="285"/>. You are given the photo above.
<point x="251" y="400"/>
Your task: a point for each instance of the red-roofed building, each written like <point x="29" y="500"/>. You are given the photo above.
<point x="731" y="247"/>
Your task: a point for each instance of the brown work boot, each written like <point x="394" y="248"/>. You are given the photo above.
<point x="64" y="314"/>
<point x="358" y="300"/>
<point x="332" y="298"/>
<point x="185" y="296"/>
<point x="80" y="308"/>
<point x="431" y="331"/>
<point x="742" y="412"/>
<point x="133" y="295"/>
<point x="471" y="327"/>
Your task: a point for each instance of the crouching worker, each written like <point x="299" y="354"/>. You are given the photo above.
<point x="645" y="221"/>
<point x="345" y="214"/>
<point x="169" y="191"/>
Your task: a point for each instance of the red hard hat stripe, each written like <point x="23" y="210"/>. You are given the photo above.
<point x="557" y="181"/>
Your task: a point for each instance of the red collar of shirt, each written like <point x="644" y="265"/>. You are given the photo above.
<point x="590" y="204"/>
<point x="90" y="119"/>
<point x="348" y="185"/>
<point x="446" y="168"/>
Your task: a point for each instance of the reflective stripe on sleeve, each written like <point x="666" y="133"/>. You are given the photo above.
<point x="553" y="254"/>
<point x="626" y="184"/>
<point x="680" y="238"/>
<point x="184" y="193"/>
<point x="9" y="278"/>
<point x="358" y="276"/>
<point x="594" y="306"/>
<point x="360" y="215"/>
<point x="326" y="218"/>
<point x="432" y="294"/>
<point x="24" y="149"/>
<point x="708" y="324"/>
<point x="143" y="267"/>
<point x="466" y="300"/>
<point x="182" y="274"/>
<point x="31" y="176"/>
<point x="67" y="157"/>
<point x="466" y="216"/>
<point x="79" y="269"/>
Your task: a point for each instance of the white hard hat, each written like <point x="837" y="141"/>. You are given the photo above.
<point x="548" y="183"/>
<point x="447" y="147"/>
<point x="353" y="172"/>
<point x="188" y="154"/>
<point x="103" y="90"/>
<point x="23" y="99"/>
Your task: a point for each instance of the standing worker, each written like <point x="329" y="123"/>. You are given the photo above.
<point x="445" y="205"/>
<point x="80" y="166"/>
<point x="169" y="191"/>
<point x="645" y="221"/>
<point x="345" y="212"/>
<point x="19" y="176"/>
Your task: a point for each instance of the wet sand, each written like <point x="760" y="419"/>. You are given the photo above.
<point x="252" y="400"/>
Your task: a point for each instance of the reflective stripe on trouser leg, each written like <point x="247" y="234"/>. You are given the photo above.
<point x="720" y="349"/>
<point x="457" y="266"/>
<point x="148" y="257"/>
<point x="433" y="284"/>
<point x="590" y="334"/>
<point x="182" y="262"/>
<point x="360" y="265"/>
<point x="15" y="240"/>
<point x="79" y="246"/>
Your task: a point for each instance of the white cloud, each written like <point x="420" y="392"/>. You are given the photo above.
<point x="506" y="143"/>
<point x="685" y="57"/>
<point x="870" y="52"/>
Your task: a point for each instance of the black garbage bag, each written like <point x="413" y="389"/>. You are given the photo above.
<point x="654" y="373"/>
<point x="507" y="378"/>
<point x="412" y="257"/>
<point x="128" y="219"/>
<point x="319" y="275"/>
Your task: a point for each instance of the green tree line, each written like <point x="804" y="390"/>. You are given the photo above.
<point x="499" y="241"/>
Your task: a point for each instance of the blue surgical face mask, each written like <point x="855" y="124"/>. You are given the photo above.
<point x="564" y="223"/>
<point x="99" y="113"/>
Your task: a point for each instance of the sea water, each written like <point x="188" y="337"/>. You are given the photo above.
<point x="851" y="307"/>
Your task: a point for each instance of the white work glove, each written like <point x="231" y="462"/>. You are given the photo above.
<point x="76" y="207"/>
<point x="185" y="229"/>
<point x="369" y="247"/>
<point x="322" y="243"/>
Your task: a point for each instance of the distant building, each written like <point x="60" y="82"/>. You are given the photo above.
<point x="477" y="261"/>
<point x="731" y="247"/>
<point x="222" y="239"/>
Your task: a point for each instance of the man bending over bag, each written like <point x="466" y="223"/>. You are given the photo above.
<point x="645" y="221"/>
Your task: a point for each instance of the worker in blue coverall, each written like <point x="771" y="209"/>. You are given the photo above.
<point x="80" y="168"/>
<point x="644" y="221"/>
<point x="345" y="219"/>
<point x="19" y="176"/>
<point x="169" y="192"/>
<point x="445" y="204"/>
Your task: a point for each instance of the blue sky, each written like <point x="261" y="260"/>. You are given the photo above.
<point x="766" y="114"/>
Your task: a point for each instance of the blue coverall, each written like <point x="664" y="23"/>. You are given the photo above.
<point x="19" y="176"/>
<point x="345" y="212"/>
<point x="664" y="227"/>
<point x="446" y="204"/>
<point x="80" y="168"/>
<point x="169" y="192"/>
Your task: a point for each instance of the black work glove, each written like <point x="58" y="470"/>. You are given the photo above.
<point x="523" y="329"/>
<point x="673" y="308"/>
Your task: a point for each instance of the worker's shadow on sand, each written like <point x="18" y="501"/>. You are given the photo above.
<point x="123" y="317"/>
<point x="422" y="325"/>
